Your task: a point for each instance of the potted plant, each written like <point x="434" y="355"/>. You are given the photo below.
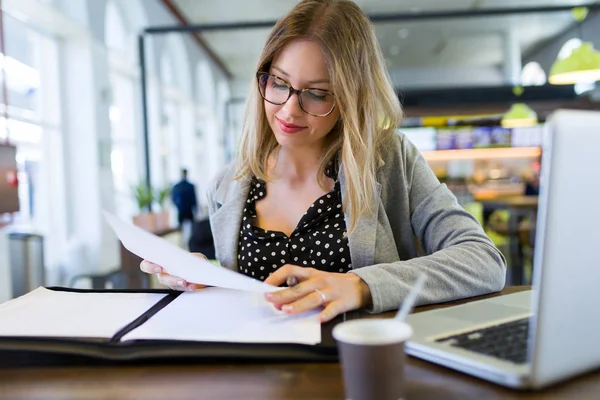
<point x="144" y="197"/>
<point x="162" y="218"/>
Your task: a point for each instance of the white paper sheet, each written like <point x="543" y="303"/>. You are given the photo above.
<point x="44" y="312"/>
<point x="179" y="262"/>
<point x="224" y="315"/>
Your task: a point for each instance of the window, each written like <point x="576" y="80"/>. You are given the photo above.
<point x="123" y="74"/>
<point x="31" y="65"/>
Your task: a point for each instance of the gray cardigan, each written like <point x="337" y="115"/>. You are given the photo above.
<point x="411" y="205"/>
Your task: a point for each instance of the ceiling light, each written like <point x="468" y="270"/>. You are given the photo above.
<point x="583" y="65"/>
<point x="520" y="115"/>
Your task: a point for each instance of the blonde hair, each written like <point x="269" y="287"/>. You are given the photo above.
<point x="369" y="108"/>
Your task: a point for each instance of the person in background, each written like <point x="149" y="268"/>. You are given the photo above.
<point x="184" y="198"/>
<point x="325" y="191"/>
<point x="532" y="184"/>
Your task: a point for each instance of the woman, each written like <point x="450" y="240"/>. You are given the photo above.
<point x="326" y="192"/>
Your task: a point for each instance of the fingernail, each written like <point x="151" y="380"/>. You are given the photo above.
<point x="157" y="269"/>
<point x="287" y="308"/>
<point x="181" y="283"/>
<point x="269" y="296"/>
<point x="192" y="286"/>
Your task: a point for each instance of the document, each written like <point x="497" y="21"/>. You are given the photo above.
<point x="179" y="262"/>
<point x="207" y="315"/>
<point x="225" y="315"/>
<point x="49" y="313"/>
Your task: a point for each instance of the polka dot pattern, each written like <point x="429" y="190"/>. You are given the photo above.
<point x="319" y="240"/>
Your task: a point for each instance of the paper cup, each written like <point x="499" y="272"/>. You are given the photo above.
<point x="372" y="356"/>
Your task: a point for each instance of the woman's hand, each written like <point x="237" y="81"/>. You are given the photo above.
<point x="171" y="281"/>
<point x="338" y="293"/>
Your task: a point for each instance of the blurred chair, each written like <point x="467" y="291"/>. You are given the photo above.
<point x="201" y="240"/>
<point x="498" y="230"/>
<point x="499" y="239"/>
<point x="498" y="218"/>
<point x="527" y="230"/>
<point x="497" y="227"/>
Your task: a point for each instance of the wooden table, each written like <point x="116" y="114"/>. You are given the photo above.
<point x="260" y="381"/>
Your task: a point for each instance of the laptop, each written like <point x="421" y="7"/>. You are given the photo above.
<point x="533" y="339"/>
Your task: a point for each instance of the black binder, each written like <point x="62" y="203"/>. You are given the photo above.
<point x="44" y="351"/>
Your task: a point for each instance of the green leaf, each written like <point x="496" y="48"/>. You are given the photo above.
<point x="143" y="196"/>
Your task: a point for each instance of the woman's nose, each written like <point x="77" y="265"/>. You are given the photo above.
<point x="292" y="105"/>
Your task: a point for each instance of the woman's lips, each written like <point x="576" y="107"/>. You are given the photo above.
<point x="289" y="128"/>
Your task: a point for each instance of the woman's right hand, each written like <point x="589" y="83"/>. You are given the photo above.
<point x="173" y="282"/>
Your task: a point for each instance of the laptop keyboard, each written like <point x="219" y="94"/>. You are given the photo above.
<point x="506" y="341"/>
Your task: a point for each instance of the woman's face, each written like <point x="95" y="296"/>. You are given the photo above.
<point x="301" y="65"/>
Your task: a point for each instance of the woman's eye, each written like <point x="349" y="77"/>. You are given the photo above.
<point x="317" y="95"/>
<point x="279" y="85"/>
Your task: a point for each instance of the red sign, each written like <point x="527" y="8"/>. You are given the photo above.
<point x="12" y="178"/>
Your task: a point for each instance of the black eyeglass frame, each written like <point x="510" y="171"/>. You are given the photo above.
<point x="292" y="91"/>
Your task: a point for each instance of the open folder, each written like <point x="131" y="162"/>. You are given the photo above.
<point x="64" y="326"/>
<point x="211" y="314"/>
<point x="230" y="319"/>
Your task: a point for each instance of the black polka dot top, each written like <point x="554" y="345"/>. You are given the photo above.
<point x="319" y="240"/>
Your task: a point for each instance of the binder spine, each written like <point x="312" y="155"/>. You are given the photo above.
<point x="144" y="317"/>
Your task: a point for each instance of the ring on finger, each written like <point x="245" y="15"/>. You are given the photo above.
<point x="323" y="298"/>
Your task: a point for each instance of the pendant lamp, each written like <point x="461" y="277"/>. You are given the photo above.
<point x="520" y="114"/>
<point x="583" y="65"/>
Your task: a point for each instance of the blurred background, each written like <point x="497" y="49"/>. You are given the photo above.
<point x="103" y="102"/>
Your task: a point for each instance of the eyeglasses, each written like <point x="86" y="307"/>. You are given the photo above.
<point x="317" y="102"/>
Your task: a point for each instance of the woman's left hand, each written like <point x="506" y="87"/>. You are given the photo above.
<point x="338" y="293"/>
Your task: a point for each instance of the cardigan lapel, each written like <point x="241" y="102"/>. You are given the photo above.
<point x="231" y="198"/>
